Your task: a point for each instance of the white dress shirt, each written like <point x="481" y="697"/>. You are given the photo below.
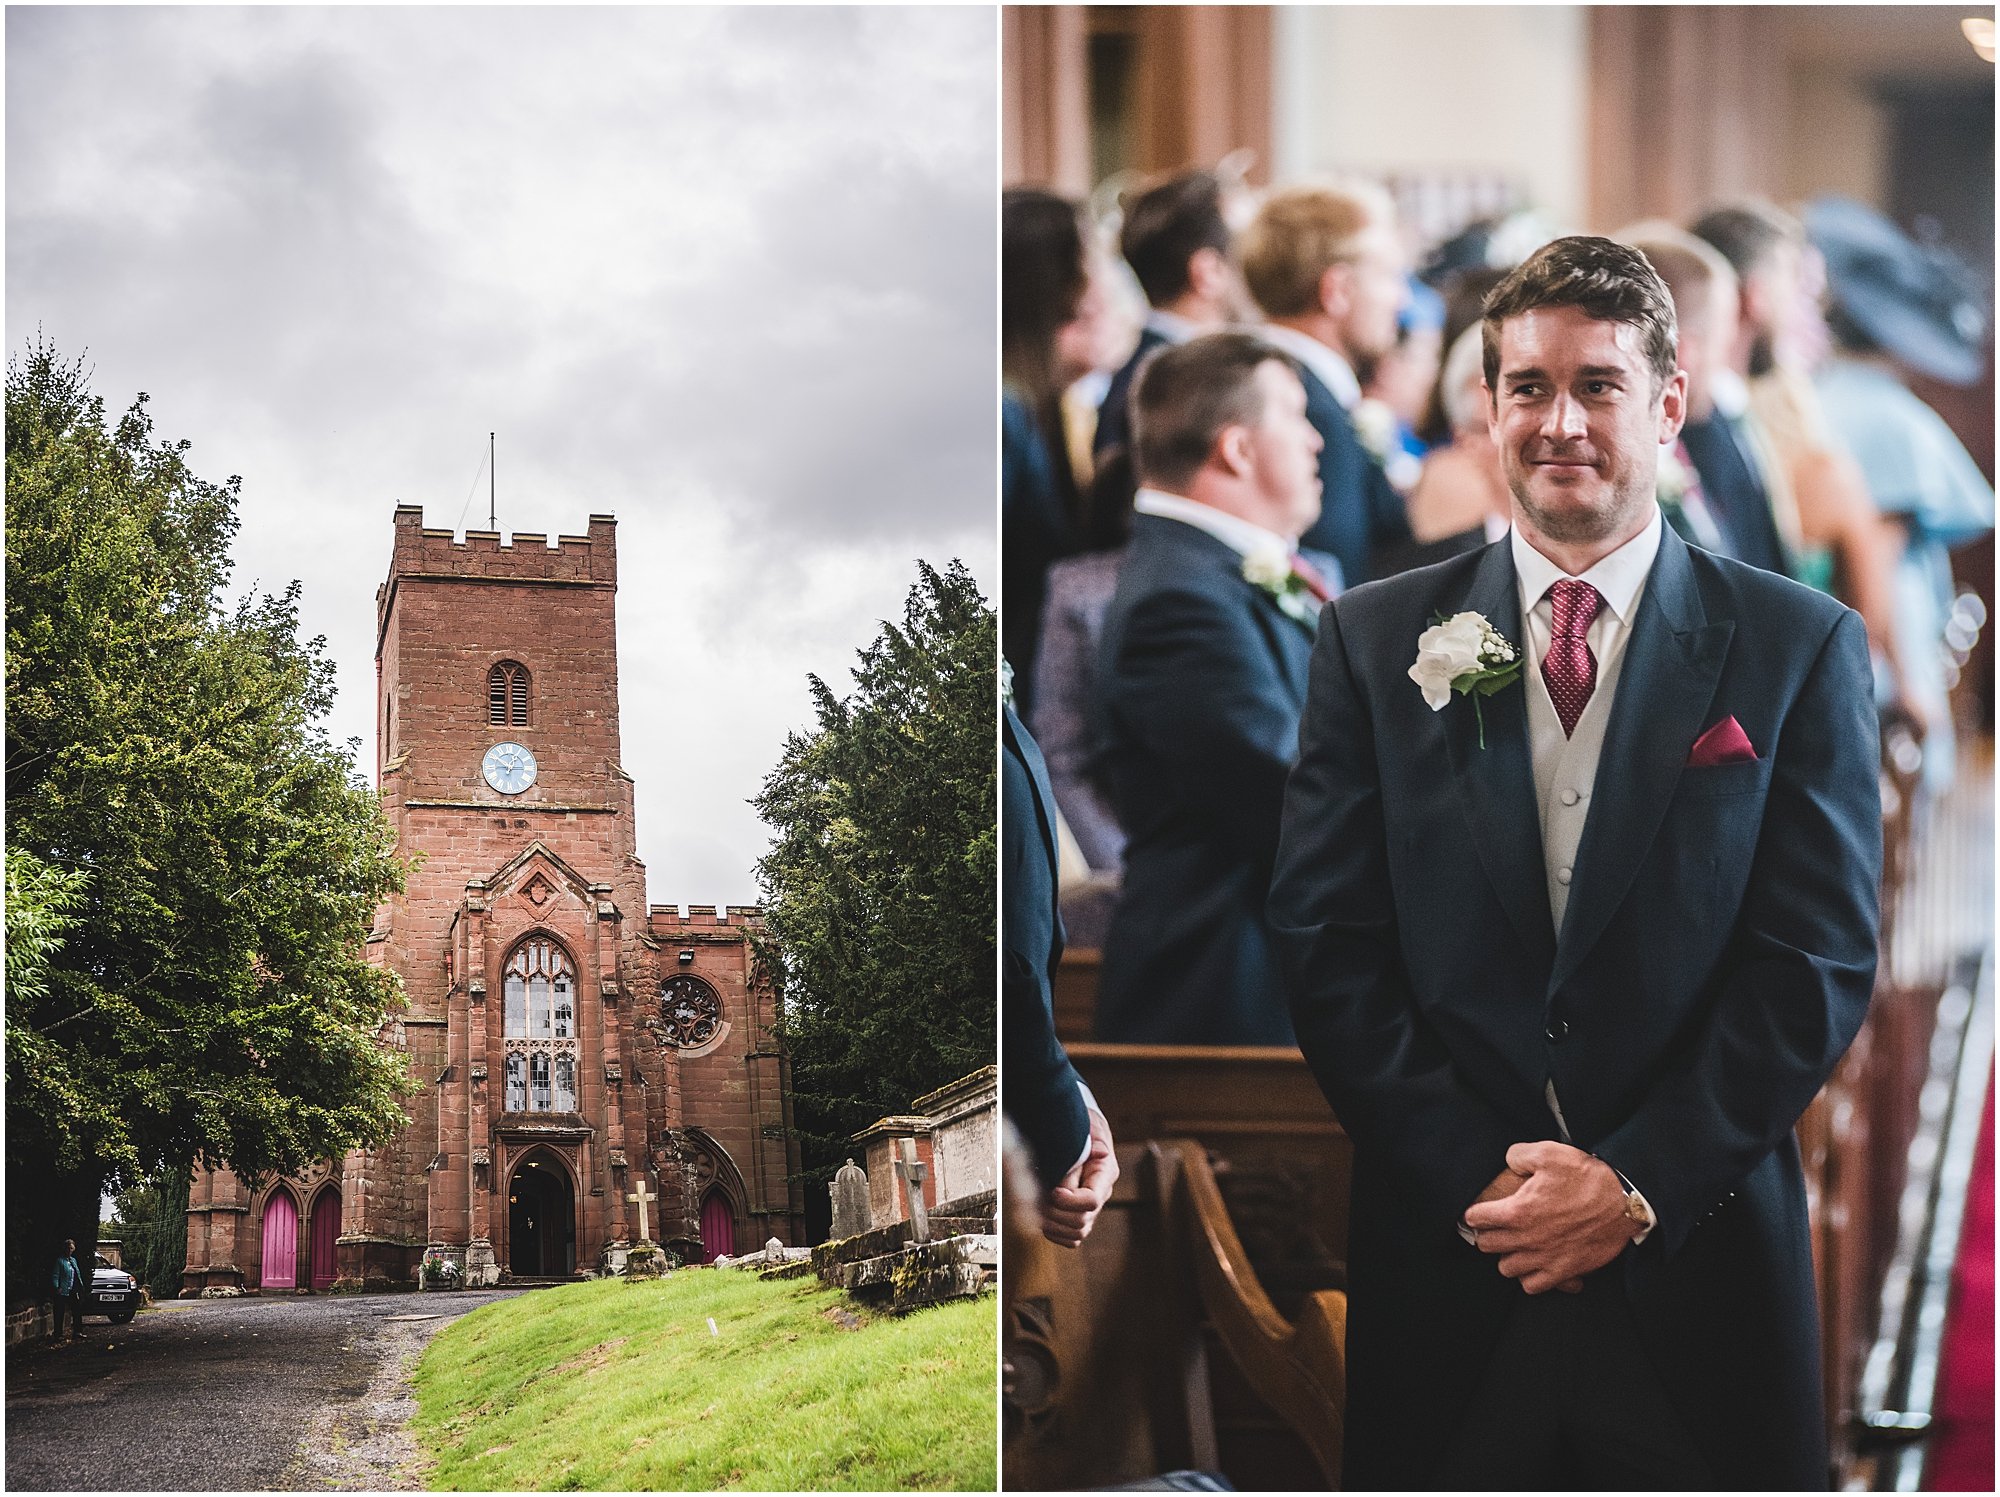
<point x="1565" y="764"/>
<point x="1328" y="367"/>
<point x="1239" y="535"/>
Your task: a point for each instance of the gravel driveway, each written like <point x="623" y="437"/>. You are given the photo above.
<point x="298" y="1393"/>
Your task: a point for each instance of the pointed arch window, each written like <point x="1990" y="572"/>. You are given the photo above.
<point x="507" y="695"/>
<point x="540" y="991"/>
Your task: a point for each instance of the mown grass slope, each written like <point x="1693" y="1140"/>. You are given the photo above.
<point x="620" y="1385"/>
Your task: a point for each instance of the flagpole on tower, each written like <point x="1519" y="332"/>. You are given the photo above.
<point x="492" y="488"/>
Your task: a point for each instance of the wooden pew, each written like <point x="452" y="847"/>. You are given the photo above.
<point x="1075" y="995"/>
<point x="1156" y="1348"/>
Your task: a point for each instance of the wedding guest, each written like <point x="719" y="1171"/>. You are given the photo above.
<point x="1044" y="289"/>
<point x="1400" y="381"/>
<point x="1731" y="475"/>
<point x="1845" y="547"/>
<point x="1047" y="1101"/>
<point x="1199" y="690"/>
<point x="1460" y="502"/>
<point x="1176" y="237"/>
<point x="1327" y="267"/>
<point x="1898" y="304"/>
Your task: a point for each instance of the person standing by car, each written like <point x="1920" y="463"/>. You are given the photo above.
<point x="68" y="1282"/>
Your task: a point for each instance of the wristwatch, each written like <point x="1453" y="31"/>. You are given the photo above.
<point x="1636" y="1211"/>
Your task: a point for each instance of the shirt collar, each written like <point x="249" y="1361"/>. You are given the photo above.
<point x="1170" y="325"/>
<point x="1239" y="535"/>
<point x="1619" y="578"/>
<point x="1327" y="366"/>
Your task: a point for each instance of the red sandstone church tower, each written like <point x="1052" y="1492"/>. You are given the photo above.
<point x="571" y="1042"/>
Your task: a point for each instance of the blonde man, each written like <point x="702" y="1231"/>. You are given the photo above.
<point x="1327" y="267"/>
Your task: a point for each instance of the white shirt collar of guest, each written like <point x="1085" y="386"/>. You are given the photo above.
<point x="1170" y="325"/>
<point x="1619" y="578"/>
<point x="1239" y="535"/>
<point x="1327" y="366"/>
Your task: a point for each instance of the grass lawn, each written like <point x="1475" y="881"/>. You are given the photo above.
<point x="619" y="1385"/>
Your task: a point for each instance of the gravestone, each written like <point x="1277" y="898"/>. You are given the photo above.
<point x="913" y="1172"/>
<point x="642" y="1196"/>
<point x="850" y="1201"/>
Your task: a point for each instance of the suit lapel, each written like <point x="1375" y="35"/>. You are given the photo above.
<point x="1497" y="782"/>
<point x="1665" y="686"/>
<point x="1030" y="754"/>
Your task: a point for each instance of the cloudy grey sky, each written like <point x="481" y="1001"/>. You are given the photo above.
<point x="726" y="274"/>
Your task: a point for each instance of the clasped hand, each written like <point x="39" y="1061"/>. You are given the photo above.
<point x="1070" y="1209"/>
<point x="1552" y="1216"/>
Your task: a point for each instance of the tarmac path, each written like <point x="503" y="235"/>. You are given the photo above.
<point x="281" y="1392"/>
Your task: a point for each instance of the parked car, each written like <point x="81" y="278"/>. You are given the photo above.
<point x="113" y="1292"/>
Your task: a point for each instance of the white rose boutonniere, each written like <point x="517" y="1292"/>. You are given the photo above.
<point x="1467" y="655"/>
<point x="1271" y="572"/>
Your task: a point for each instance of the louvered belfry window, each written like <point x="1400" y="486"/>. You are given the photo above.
<point x="507" y="695"/>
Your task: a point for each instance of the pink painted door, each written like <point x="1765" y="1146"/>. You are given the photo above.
<point x="281" y="1240"/>
<point x="325" y="1231"/>
<point x="718" y="1227"/>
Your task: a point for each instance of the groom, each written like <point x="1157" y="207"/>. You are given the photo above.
<point x="1570" y="958"/>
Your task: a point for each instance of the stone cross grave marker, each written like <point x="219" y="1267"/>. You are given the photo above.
<point x="912" y="1171"/>
<point x="851" y="1216"/>
<point x="642" y="1196"/>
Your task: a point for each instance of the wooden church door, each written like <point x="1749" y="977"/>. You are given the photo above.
<point x="325" y="1234"/>
<point x="281" y="1240"/>
<point x="718" y="1227"/>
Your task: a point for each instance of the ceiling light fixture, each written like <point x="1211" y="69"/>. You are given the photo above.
<point x="1979" y="31"/>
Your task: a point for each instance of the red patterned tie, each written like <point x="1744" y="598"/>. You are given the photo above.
<point x="1569" y="670"/>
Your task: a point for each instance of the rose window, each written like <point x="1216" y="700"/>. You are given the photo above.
<point x="690" y="1013"/>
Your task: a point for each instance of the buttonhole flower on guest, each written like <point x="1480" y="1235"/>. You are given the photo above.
<point x="1270" y="570"/>
<point x="1465" y="654"/>
<point x="1381" y="434"/>
<point x="1006" y="681"/>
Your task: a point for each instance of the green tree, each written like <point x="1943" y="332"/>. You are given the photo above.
<point x="201" y="993"/>
<point x="151" y="1220"/>
<point x="879" y="886"/>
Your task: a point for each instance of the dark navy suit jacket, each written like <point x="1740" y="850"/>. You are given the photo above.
<point x="1360" y="513"/>
<point x="1735" y="491"/>
<point x="1114" y="417"/>
<point x="1201" y="682"/>
<point x="1715" y="961"/>
<point x="1044" y="1100"/>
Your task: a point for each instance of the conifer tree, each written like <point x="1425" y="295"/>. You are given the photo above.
<point x="879" y="886"/>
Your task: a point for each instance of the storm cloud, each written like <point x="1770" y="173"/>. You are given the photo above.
<point x="727" y="274"/>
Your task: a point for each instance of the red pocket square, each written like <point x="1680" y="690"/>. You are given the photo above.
<point x="1725" y="743"/>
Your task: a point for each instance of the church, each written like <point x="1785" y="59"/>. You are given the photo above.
<point x="578" y="1051"/>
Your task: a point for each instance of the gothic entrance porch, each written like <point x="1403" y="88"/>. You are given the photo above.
<point x="541" y="1221"/>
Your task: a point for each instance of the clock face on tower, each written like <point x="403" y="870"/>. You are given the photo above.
<point x="508" y="768"/>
